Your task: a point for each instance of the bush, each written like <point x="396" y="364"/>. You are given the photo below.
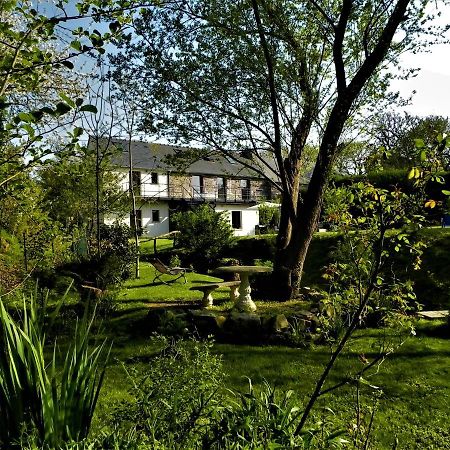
<point x="114" y="263"/>
<point x="269" y="217"/>
<point x="11" y="262"/>
<point x="176" y="399"/>
<point x="204" y="235"/>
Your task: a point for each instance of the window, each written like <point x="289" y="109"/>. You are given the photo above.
<point x="198" y="186"/>
<point x="136" y="178"/>
<point x="221" y="188"/>
<point x="245" y="189"/>
<point x="236" y="219"/>
<point x="155" y="215"/>
<point x="154" y="178"/>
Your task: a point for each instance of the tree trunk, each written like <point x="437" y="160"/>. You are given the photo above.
<point x="294" y="238"/>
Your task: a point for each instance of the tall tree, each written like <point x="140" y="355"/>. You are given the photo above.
<point x="397" y="135"/>
<point x="70" y="189"/>
<point x="250" y="77"/>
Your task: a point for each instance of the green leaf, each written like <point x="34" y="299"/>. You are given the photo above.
<point x="423" y="155"/>
<point x="76" y="45"/>
<point x="411" y="173"/>
<point x="77" y="131"/>
<point x="89" y="108"/>
<point x="445" y="192"/>
<point x="419" y="143"/>
<point x="62" y="108"/>
<point x="67" y="99"/>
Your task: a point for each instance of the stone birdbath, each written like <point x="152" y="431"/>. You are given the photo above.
<point x="244" y="302"/>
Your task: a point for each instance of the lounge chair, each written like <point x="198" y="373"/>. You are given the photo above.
<point x="162" y="269"/>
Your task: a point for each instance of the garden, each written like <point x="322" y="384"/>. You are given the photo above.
<point x="277" y="280"/>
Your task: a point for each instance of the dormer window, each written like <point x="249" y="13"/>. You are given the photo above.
<point x="154" y="178"/>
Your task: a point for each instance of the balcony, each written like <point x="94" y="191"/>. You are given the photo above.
<point x="221" y="195"/>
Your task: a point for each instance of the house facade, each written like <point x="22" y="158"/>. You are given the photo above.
<point x="160" y="189"/>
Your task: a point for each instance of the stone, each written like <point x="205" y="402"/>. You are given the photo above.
<point x="245" y="325"/>
<point x="276" y="324"/>
<point x="434" y="315"/>
<point x="207" y="322"/>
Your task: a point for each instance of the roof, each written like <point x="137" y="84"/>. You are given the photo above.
<point x="151" y="156"/>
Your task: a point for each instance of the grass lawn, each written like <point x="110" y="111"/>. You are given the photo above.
<point x="413" y="408"/>
<point x="414" y="382"/>
<point x="146" y="245"/>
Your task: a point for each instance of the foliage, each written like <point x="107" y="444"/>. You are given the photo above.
<point x="69" y="185"/>
<point x="398" y="178"/>
<point x="175" y="261"/>
<point x="252" y="81"/>
<point x="37" y="398"/>
<point x="10" y="261"/>
<point x="173" y="402"/>
<point x="109" y="268"/>
<point x="204" y="235"/>
<point x="364" y="259"/>
<point x="396" y="135"/>
<point x="267" y="419"/>
<point x="269" y="216"/>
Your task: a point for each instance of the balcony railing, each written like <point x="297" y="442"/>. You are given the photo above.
<point x="196" y="193"/>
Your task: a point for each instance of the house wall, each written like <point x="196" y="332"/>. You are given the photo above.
<point x="180" y="185"/>
<point x="147" y="188"/>
<point x="151" y="190"/>
<point x="250" y="218"/>
<point x="149" y="227"/>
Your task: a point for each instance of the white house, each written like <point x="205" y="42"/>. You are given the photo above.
<point x="161" y="189"/>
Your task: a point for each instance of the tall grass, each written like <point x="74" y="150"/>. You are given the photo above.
<point x="36" y="397"/>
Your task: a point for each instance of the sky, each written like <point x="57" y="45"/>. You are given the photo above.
<point x="432" y="84"/>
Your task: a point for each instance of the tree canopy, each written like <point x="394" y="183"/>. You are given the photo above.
<point x="259" y="77"/>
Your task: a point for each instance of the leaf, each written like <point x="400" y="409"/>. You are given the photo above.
<point x="77" y="132"/>
<point x="25" y="117"/>
<point x="419" y="143"/>
<point x="89" y="108"/>
<point x="62" y="108"/>
<point x="423" y="155"/>
<point x="67" y="99"/>
<point x="76" y="45"/>
<point x="430" y="204"/>
<point x="68" y="64"/>
<point x="411" y="173"/>
<point x="446" y="192"/>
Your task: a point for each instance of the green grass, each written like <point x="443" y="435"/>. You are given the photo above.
<point x="146" y="245"/>
<point x="414" y="406"/>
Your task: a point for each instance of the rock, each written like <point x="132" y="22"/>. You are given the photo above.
<point x="243" y="326"/>
<point x="275" y="324"/>
<point x="207" y="322"/>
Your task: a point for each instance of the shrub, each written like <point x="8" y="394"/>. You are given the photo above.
<point x="11" y="262"/>
<point x="269" y="217"/>
<point x="176" y="399"/>
<point x="268" y="419"/>
<point x="114" y="263"/>
<point x="204" y="235"/>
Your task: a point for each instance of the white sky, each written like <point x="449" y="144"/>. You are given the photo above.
<point x="432" y="84"/>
